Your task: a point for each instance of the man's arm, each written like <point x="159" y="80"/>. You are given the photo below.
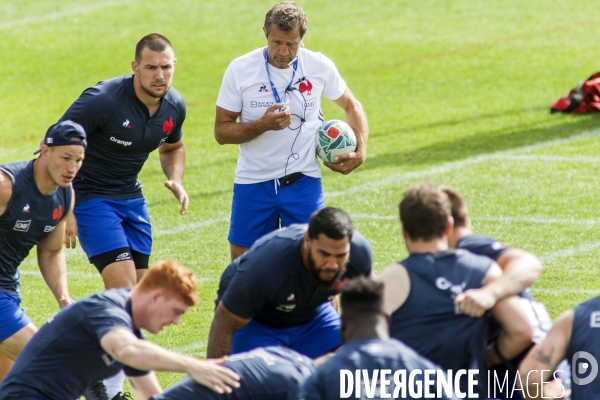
<point x="71" y="231"/>
<point x="229" y="131"/>
<point x="225" y="324"/>
<point x="539" y="364"/>
<point x="122" y="345"/>
<point x="53" y="264"/>
<point x="520" y="270"/>
<point x="396" y="287"/>
<point x="517" y="334"/>
<point x="356" y="118"/>
<point x="172" y="161"/>
<point x="6" y="186"/>
<point x="474" y="302"/>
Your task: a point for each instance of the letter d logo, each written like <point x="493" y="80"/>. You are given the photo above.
<point x="582" y="367"/>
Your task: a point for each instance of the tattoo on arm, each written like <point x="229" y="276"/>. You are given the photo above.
<point x="223" y="327"/>
<point x="545" y="358"/>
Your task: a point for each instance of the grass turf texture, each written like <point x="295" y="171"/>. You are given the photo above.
<point x="456" y="92"/>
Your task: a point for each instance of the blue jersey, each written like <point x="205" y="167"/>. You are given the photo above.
<point x="430" y="322"/>
<point x="368" y="355"/>
<point x="583" y="350"/>
<point x="482" y="245"/>
<point x="274" y="373"/>
<point x="65" y="357"/>
<point x="271" y="284"/>
<point x="28" y="219"/>
<point x="120" y="135"/>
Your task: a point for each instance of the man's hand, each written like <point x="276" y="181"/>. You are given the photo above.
<point x="346" y="163"/>
<point x="211" y="374"/>
<point x="276" y="117"/>
<point x="71" y="232"/>
<point x="65" y="301"/>
<point x="179" y="193"/>
<point x="474" y="302"/>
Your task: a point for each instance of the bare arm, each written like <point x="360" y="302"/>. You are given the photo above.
<point x="5" y="191"/>
<point x="225" y="324"/>
<point x="53" y="264"/>
<point x="520" y="270"/>
<point x="229" y="131"/>
<point x="542" y="359"/>
<point x="396" y="287"/>
<point x="71" y="231"/>
<point x="126" y="348"/>
<point x="145" y="386"/>
<point x="356" y="118"/>
<point x="475" y="302"/>
<point x="517" y="333"/>
<point x="172" y="161"/>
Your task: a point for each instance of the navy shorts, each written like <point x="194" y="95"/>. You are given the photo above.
<point x="313" y="339"/>
<point x="12" y="316"/>
<point x="106" y="225"/>
<point x="261" y="208"/>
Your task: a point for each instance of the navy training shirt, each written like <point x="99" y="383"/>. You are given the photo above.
<point x="482" y="245"/>
<point x="270" y="283"/>
<point x="29" y="218"/>
<point x="120" y="135"/>
<point x="65" y="357"/>
<point x="369" y="355"/>
<point x="585" y="336"/>
<point x="430" y="322"/>
<point x="274" y="373"/>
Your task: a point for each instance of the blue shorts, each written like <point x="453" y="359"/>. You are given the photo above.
<point x="261" y="208"/>
<point x="12" y="316"/>
<point x="313" y="339"/>
<point x="106" y="225"/>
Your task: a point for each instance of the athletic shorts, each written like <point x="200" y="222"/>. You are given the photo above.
<point x="313" y="339"/>
<point x="261" y="208"/>
<point x="187" y="389"/>
<point x="106" y="225"/>
<point x="12" y="316"/>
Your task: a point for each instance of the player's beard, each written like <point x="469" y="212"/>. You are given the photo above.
<point x="314" y="274"/>
<point x="153" y="94"/>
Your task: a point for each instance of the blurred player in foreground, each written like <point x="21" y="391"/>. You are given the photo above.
<point x="98" y="336"/>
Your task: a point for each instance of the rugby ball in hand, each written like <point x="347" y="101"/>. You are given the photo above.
<point x="334" y="138"/>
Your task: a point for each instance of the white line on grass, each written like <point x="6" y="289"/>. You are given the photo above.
<point x="189" y="227"/>
<point x="452" y="166"/>
<point x="570" y="252"/>
<point x="191" y="347"/>
<point x="60" y="14"/>
<point x="566" y="290"/>
<point x="527" y="220"/>
<point x="536" y="157"/>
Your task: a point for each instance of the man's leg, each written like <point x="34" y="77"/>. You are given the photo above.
<point x="12" y="346"/>
<point x="253" y="215"/>
<point x="321" y="335"/>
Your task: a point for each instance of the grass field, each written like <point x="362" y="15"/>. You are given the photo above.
<point x="457" y="92"/>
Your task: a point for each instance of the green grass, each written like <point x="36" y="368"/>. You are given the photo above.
<point x="442" y="83"/>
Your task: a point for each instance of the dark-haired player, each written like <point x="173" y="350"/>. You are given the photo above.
<point x="98" y="336"/>
<point x="368" y="347"/>
<point x="35" y="197"/>
<point x="279" y="292"/>
<point x="126" y="118"/>
<point x="420" y="293"/>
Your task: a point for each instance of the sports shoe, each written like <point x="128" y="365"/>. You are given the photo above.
<point x="96" y="392"/>
<point x="123" y="396"/>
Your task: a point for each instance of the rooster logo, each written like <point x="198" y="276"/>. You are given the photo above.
<point x="305" y="87"/>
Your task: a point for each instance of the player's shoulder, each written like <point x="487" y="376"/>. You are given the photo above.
<point x="175" y="98"/>
<point x="253" y="57"/>
<point x="109" y="92"/>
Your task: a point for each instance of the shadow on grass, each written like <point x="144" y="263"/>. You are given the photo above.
<point x="483" y="143"/>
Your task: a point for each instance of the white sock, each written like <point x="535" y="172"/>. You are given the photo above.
<point x="114" y="384"/>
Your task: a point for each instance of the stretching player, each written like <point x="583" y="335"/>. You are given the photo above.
<point x="100" y="335"/>
<point x="420" y="293"/>
<point x="279" y="292"/>
<point x="368" y="347"/>
<point x="35" y="197"/>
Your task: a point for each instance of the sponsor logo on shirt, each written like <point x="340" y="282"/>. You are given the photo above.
<point x="286" y="307"/>
<point x="497" y="246"/>
<point x="261" y="104"/>
<point x="168" y="126"/>
<point x="121" y="142"/>
<point x="49" y="228"/>
<point x="26" y="208"/>
<point x="595" y="319"/>
<point x="126" y="124"/>
<point x="263" y="88"/>
<point x="310" y="104"/>
<point x="22" y="226"/>
<point x="444" y="284"/>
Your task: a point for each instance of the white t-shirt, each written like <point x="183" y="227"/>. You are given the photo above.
<point x="246" y="89"/>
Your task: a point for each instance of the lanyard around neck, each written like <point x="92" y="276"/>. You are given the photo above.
<point x="273" y="88"/>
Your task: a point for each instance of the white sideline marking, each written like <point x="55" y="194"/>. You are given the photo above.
<point x="451" y="166"/>
<point x="534" y="157"/>
<point x="190" y="226"/>
<point x="570" y="252"/>
<point x="93" y="275"/>
<point x="60" y="14"/>
<point x="527" y="220"/>
<point x="191" y="347"/>
<point x="565" y="290"/>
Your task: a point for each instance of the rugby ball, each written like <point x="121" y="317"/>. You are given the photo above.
<point x="334" y="138"/>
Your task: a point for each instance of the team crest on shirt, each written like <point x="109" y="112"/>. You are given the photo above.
<point x="168" y="126"/>
<point x="455" y="289"/>
<point x="57" y="213"/>
<point x="26" y="209"/>
<point x="263" y="88"/>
